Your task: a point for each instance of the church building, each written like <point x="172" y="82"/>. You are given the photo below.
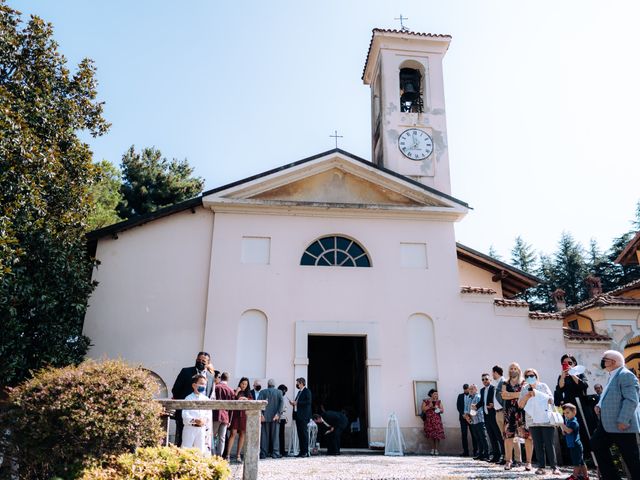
<point x="335" y="268"/>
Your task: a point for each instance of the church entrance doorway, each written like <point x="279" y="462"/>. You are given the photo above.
<point x="338" y="381"/>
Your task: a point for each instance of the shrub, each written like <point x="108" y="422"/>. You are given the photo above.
<point x="159" y="463"/>
<point x="62" y="418"/>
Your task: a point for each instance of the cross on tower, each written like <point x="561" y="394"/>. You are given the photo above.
<point x="402" y="27"/>
<point x="336" y="136"/>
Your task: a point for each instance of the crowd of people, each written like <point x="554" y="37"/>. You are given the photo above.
<point x="512" y="411"/>
<point x="520" y="410"/>
<point x="214" y="432"/>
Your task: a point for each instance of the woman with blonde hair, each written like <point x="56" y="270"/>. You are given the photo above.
<point x="514" y="425"/>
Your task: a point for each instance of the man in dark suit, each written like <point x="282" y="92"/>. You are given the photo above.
<point x="335" y="423"/>
<point x="269" y="439"/>
<point x="487" y="393"/>
<point x="302" y="414"/>
<point x="464" y="425"/>
<point x="255" y="391"/>
<point x="182" y="387"/>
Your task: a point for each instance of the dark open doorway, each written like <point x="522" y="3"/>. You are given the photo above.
<point x="338" y="381"/>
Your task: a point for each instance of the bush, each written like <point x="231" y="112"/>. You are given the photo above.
<point x="160" y="463"/>
<point x="63" y="418"/>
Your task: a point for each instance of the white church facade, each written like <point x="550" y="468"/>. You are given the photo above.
<point x="333" y="268"/>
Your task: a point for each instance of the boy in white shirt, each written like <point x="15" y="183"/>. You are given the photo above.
<point x="196" y="422"/>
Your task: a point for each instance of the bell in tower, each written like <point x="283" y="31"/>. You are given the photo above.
<point x="408" y="124"/>
<point x="410" y="93"/>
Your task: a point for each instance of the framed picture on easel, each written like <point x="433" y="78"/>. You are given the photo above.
<point x="420" y="392"/>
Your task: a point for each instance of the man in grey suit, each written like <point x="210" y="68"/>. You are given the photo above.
<point x="619" y="418"/>
<point x="269" y="439"/>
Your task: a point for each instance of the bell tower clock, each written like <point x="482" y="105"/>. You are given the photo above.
<point x="408" y="122"/>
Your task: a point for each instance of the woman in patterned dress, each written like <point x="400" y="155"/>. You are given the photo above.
<point x="239" y="419"/>
<point x="433" y="410"/>
<point x="514" y="425"/>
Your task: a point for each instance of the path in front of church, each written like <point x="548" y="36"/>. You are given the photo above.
<point x="380" y="467"/>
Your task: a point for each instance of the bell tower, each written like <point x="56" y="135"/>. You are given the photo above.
<point x="408" y="121"/>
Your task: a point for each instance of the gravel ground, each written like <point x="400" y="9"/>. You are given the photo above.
<point x="379" y="467"/>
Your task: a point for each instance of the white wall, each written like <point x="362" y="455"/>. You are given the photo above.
<point x="149" y="306"/>
<point x="178" y="285"/>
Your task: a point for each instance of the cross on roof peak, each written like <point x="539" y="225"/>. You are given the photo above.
<point x="336" y="136"/>
<point x="402" y="26"/>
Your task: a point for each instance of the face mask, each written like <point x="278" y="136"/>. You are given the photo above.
<point x="531" y="380"/>
<point x="257" y="388"/>
<point x="602" y="364"/>
<point x="201" y="388"/>
<point x="200" y="365"/>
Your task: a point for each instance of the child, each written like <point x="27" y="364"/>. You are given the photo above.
<point x="196" y="422"/>
<point x="571" y="430"/>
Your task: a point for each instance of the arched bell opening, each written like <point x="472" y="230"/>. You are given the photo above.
<point x="411" y="90"/>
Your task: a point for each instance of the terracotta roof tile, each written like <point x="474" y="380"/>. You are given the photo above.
<point x="405" y="32"/>
<point x="626" y="287"/>
<point x="604" y="300"/>
<point x="545" y="316"/>
<point x="481" y="290"/>
<point x="571" y="334"/>
<point x="503" y="302"/>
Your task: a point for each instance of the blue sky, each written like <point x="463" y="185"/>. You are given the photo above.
<point x="542" y="97"/>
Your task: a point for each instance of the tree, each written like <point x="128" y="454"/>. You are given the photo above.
<point x="568" y="270"/>
<point x="45" y="176"/>
<point x="626" y="273"/>
<point x="105" y="196"/>
<point x="599" y="265"/>
<point x="493" y="253"/>
<point x="523" y="256"/>
<point x="150" y="182"/>
<point x="540" y="295"/>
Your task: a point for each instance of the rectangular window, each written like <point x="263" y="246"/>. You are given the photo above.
<point x="413" y="255"/>
<point x="256" y="250"/>
<point x="573" y="324"/>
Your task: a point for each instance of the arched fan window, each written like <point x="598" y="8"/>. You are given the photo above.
<point x="335" y="251"/>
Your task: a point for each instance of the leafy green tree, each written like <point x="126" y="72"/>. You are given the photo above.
<point x="105" y="196"/>
<point x="150" y="182"/>
<point x="45" y="176"/>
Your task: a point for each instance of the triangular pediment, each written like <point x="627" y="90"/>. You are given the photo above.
<point x="335" y="180"/>
<point x="336" y="186"/>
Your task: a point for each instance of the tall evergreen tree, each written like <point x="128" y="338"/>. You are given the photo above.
<point x="568" y="270"/>
<point x="150" y="182"/>
<point x="493" y="253"/>
<point x="626" y="273"/>
<point x="105" y="196"/>
<point x="599" y="265"/>
<point x="540" y="295"/>
<point x="524" y="258"/>
<point x="45" y="176"/>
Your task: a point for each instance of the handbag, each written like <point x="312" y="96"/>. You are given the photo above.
<point x="555" y="418"/>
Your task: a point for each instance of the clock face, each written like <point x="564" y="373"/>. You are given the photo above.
<point x="415" y="144"/>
